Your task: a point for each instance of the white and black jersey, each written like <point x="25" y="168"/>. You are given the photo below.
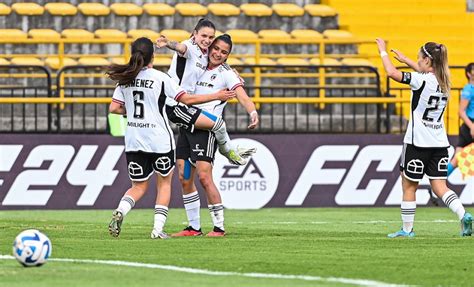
<point x="219" y="78"/>
<point x="187" y="69"/>
<point x="426" y="125"/>
<point x="145" y="100"/>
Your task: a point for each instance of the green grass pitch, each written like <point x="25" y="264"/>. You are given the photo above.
<point x="328" y="245"/>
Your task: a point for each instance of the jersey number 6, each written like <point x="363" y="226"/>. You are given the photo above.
<point x="139" y="107"/>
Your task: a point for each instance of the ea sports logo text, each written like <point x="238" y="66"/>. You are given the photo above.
<point x="251" y="186"/>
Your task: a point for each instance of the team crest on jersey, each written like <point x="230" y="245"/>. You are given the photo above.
<point x="213" y="77"/>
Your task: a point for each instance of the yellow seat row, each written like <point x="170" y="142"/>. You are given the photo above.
<point x="174" y="34"/>
<point x="162" y="9"/>
<point x="54" y="63"/>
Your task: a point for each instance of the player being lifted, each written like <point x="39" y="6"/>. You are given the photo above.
<point x="425" y="148"/>
<point x="187" y="66"/>
<point x="147" y="96"/>
<point x="217" y="76"/>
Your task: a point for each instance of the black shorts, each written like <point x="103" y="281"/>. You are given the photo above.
<point x="183" y="116"/>
<point x="197" y="146"/>
<point x="416" y="162"/>
<point x="465" y="137"/>
<point x="142" y="164"/>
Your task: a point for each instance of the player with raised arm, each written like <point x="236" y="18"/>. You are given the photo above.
<point x="143" y="94"/>
<point x="187" y="66"/>
<point x="425" y="148"/>
<point x="199" y="147"/>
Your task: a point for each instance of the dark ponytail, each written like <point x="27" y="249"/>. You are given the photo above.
<point x="469" y="69"/>
<point x="438" y="54"/>
<point x="224" y="38"/>
<point x="203" y="22"/>
<point x="142" y="54"/>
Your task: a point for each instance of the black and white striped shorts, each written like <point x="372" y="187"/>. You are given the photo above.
<point x="200" y="145"/>
<point x="183" y="116"/>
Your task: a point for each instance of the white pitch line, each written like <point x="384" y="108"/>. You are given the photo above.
<point x="359" y="282"/>
<point x="341" y="222"/>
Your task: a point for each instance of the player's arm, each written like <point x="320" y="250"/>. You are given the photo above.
<point x="172" y="45"/>
<point x="390" y="69"/>
<point x="189" y="99"/>
<point x="462" y="113"/>
<point x="249" y="106"/>
<point x="405" y="60"/>
<point x="117" y="108"/>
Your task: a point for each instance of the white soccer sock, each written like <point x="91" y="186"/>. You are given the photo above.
<point x="452" y="201"/>
<point x="408" y="215"/>
<point x="217" y="215"/>
<point x="126" y="204"/>
<point x="222" y="137"/>
<point x="161" y="213"/>
<point x="192" y="204"/>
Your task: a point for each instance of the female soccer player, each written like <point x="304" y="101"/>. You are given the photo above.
<point x="187" y="66"/>
<point x="466" y="112"/>
<point x="143" y="94"/>
<point x="425" y="149"/>
<point x="217" y="76"/>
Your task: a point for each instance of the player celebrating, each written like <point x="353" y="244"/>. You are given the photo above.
<point x="187" y="66"/>
<point x="218" y="75"/>
<point x="466" y="112"/>
<point x="425" y="149"/>
<point x="143" y="94"/>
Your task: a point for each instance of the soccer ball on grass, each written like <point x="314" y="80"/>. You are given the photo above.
<point x="32" y="248"/>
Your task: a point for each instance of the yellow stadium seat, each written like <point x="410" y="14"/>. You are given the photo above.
<point x="223" y="9"/>
<point x="28" y="61"/>
<point x="232" y="61"/>
<point x="93" y="61"/>
<point x="242" y="34"/>
<point x="126" y="9"/>
<point x="273" y="34"/>
<point x="137" y="33"/>
<point x="191" y="9"/>
<point x="48" y="34"/>
<point x="292" y="61"/>
<point x="159" y="9"/>
<point x="61" y="9"/>
<point x="4" y="10"/>
<point x="319" y="10"/>
<point x="256" y="10"/>
<point x="28" y="9"/>
<point x="93" y="9"/>
<point x="176" y="34"/>
<point x="162" y="61"/>
<point x="306" y="34"/>
<point x="119" y="60"/>
<point x="326" y="61"/>
<point x="77" y="34"/>
<point x="337" y="34"/>
<point x="53" y="62"/>
<point x="288" y="10"/>
<point x="13" y="34"/>
<point x="4" y="61"/>
<point x="110" y="34"/>
<point x="262" y="61"/>
<point x="357" y="62"/>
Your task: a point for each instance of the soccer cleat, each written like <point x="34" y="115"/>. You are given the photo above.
<point x="466" y="224"/>
<point x="234" y="157"/>
<point x="155" y="234"/>
<point x="217" y="232"/>
<point x="116" y="223"/>
<point x="246" y="152"/>
<point x="188" y="231"/>
<point x="402" y="233"/>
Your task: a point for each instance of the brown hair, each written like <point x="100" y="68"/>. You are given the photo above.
<point x="438" y="55"/>
<point x="142" y="54"/>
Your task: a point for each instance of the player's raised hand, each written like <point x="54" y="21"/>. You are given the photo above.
<point x="399" y="56"/>
<point x="381" y="44"/>
<point x="225" y="95"/>
<point x="161" y="42"/>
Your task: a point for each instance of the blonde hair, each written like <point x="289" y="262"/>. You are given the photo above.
<point x="438" y="54"/>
